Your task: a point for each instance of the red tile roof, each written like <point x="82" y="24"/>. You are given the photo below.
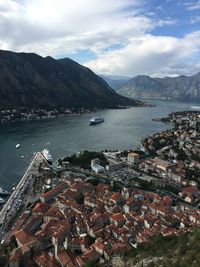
<point x="54" y="212"/>
<point x="44" y="259"/>
<point x="190" y="190"/>
<point x="117" y="217"/>
<point x="55" y="190"/>
<point x="25" y="237"/>
<point x="54" y="228"/>
<point x="116" y="197"/>
<point x="66" y="258"/>
<point x="41" y="208"/>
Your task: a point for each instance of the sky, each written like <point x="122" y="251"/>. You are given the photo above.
<point x="114" y="37"/>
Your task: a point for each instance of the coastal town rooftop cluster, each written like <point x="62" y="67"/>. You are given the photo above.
<point x="81" y="219"/>
<point x="77" y="222"/>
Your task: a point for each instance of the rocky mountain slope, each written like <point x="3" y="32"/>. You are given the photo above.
<point x="175" y="251"/>
<point x="30" y="80"/>
<point x="145" y="87"/>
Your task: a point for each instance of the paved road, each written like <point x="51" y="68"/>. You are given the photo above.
<point x="16" y="198"/>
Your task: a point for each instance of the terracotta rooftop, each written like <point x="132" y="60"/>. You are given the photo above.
<point x="77" y="186"/>
<point x="117" y="217"/>
<point x="55" y="190"/>
<point x="190" y="190"/>
<point x="46" y="259"/>
<point x="66" y="258"/>
<point x="116" y="196"/>
<point x="80" y="261"/>
<point x="25" y="237"/>
<point x="41" y="208"/>
<point x="54" y="212"/>
<point x="54" y="228"/>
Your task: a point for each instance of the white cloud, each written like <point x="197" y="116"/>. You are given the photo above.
<point x="150" y="54"/>
<point x="191" y="6"/>
<point x="56" y="27"/>
<point x="60" y="27"/>
<point x="195" y="19"/>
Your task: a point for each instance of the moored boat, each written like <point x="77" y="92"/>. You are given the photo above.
<point x="2" y="201"/>
<point x="3" y="192"/>
<point x="46" y="154"/>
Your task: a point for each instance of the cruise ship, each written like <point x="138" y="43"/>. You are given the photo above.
<point x="3" y="192"/>
<point x="96" y="120"/>
<point x="46" y="154"/>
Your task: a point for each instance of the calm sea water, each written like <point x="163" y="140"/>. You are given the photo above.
<point x="122" y="129"/>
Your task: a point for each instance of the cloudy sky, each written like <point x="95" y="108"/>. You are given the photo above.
<point x="116" y="37"/>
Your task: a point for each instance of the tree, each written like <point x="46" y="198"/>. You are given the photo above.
<point x="80" y="200"/>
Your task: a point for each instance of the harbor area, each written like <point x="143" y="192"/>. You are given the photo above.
<point x="22" y="195"/>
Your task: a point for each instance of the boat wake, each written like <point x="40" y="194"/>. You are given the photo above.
<point x="195" y="107"/>
<point x="48" y="143"/>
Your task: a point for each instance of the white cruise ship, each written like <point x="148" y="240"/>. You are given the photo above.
<point x="96" y="120"/>
<point x="47" y="155"/>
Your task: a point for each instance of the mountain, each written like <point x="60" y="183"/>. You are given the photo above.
<point x="115" y="82"/>
<point x="145" y="87"/>
<point x="29" y="80"/>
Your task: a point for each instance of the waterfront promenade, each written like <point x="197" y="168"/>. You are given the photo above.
<point x="18" y="196"/>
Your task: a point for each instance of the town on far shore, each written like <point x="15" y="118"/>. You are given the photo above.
<point x="24" y="114"/>
<point x="89" y="208"/>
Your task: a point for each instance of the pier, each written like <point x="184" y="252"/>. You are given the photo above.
<point x="18" y="196"/>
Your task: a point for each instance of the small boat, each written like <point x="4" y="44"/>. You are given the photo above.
<point x="3" y="192"/>
<point x="96" y="120"/>
<point x="18" y="146"/>
<point x="2" y="201"/>
<point x="22" y="156"/>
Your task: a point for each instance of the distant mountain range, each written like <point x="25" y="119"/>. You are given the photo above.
<point x="114" y="81"/>
<point x="29" y="80"/>
<point x="145" y="87"/>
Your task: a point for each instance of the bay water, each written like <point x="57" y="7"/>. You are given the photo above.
<point x="122" y="129"/>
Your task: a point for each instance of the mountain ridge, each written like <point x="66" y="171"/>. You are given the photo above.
<point x="146" y="87"/>
<point x="29" y="80"/>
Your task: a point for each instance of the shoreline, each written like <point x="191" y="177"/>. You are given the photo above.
<point x="7" y="116"/>
<point x="7" y="213"/>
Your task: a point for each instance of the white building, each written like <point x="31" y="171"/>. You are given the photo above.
<point x="97" y="168"/>
<point x="95" y="161"/>
<point x="133" y="158"/>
